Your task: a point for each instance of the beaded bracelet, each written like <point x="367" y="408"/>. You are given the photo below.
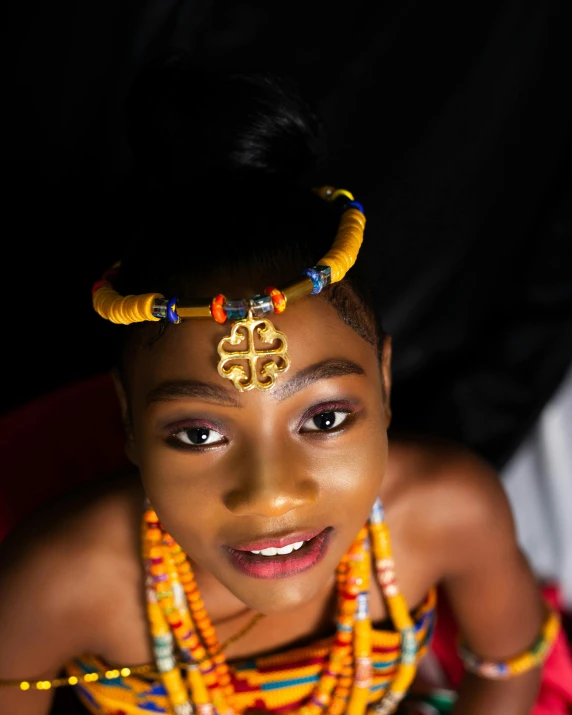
<point x="527" y="660"/>
<point x="252" y="367"/>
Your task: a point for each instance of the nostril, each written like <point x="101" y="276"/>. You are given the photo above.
<point x="253" y="500"/>
<point x="241" y="503"/>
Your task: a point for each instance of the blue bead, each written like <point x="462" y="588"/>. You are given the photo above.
<point x="326" y="273"/>
<point x="261" y="305"/>
<point x="172" y="311"/>
<point x="316" y="279"/>
<point x="354" y="205"/>
<point x="377" y="516"/>
<point x="236" y="309"/>
<point x="362" y="610"/>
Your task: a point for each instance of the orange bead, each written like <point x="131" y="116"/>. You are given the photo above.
<point x="217" y="309"/>
<point x="278" y="299"/>
<point x="154" y="534"/>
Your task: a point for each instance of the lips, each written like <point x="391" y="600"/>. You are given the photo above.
<point x="279" y="542"/>
<point x="303" y="558"/>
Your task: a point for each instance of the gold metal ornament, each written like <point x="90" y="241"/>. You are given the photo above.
<point x="249" y="329"/>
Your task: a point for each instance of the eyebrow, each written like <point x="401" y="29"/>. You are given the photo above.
<point x="323" y="370"/>
<point x="192" y="389"/>
<point x="209" y="392"/>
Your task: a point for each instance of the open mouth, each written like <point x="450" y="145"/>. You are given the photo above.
<point x="281" y="562"/>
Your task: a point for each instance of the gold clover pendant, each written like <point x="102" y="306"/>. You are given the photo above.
<point x="253" y="366"/>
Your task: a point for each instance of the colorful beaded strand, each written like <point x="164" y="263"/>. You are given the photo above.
<point x="531" y="658"/>
<point x="329" y="691"/>
<point x="207" y="694"/>
<point x="363" y="668"/>
<point x="200" y="616"/>
<point x="385" y="569"/>
<point x="207" y="654"/>
<point x="341" y="657"/>
<point x="156" y="589"/>
<point x="201" y="677"/>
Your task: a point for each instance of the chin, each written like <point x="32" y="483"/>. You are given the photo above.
<point x="282" y="596"/>
<point x="278" y="584"/>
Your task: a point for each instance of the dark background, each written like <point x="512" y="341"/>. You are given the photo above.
<point x="449" y="121"/>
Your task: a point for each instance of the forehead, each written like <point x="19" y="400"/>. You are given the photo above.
<point x="188" y="351"/>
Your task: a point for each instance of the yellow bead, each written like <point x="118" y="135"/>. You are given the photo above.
<point x="24" y="685"/>
<point x="333" y="195"/>
<point x="198" y="688"/>
<point x="72" y="680"/>
<point x="404" y="677"/>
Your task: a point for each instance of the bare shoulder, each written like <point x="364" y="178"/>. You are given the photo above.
<point x="55" y="575"/>
<point x="449" y="496"/>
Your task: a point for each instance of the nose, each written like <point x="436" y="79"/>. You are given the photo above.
<point x="270" y="483"/>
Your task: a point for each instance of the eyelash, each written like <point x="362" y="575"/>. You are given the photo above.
<point x="346" y="407"/>
<point x="173" y="441"/>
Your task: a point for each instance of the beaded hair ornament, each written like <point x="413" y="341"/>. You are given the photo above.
<point x="255" y="351"/>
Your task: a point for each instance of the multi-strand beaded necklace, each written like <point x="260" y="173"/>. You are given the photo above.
<point x="184" y="638"/>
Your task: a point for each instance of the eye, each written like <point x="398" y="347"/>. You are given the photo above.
<point x="197" y="436"/>
<point x="325" y="421"/>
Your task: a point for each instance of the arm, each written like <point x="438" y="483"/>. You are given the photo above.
<point x="42" y="620"/>
<point x="493" y="593"/>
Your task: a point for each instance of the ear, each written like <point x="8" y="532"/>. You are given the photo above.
<point x="386" y="377"/>
<point x="130" y="450"/>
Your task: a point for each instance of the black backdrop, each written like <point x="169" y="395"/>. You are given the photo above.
<point x="450" y="122"/>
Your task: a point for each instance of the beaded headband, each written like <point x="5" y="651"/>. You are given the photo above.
<point x="258" y="365"/>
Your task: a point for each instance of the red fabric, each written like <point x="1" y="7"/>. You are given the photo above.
<point x="56" y="441"/>
<point x="76" y="434"/>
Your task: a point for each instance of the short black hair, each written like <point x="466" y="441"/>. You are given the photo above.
<point x="225" y="166"/>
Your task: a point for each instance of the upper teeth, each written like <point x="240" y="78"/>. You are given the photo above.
<point x="284" y="550"/>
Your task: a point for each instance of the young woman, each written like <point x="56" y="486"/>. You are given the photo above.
<point x="247" y="562"/>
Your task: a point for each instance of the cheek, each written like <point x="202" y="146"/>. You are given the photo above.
<point x="183" y="496"/>
<point x="352" y="476"/>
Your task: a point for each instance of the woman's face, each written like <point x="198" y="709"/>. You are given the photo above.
<point x="297" y="467"/>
